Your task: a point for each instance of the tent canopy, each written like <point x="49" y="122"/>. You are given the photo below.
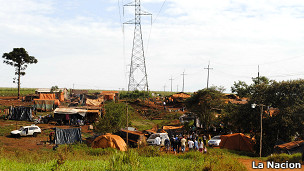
<point x="237" y="141"/>
<point x="70" y="111"/>
<point x="109" y="140"/>
<point x="290" y="148"/>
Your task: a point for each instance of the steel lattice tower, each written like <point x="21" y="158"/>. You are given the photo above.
<point x="138" y="79"/>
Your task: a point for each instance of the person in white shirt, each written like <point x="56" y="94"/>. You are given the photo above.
<point x="190" y="144"/>
<point x="157" y="140"/>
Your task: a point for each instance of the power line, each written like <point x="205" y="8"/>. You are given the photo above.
<point x="153" y="23"/>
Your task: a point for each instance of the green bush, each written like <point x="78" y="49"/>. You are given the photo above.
<point x="285" y="157"/>
<point x="149" y="151"/>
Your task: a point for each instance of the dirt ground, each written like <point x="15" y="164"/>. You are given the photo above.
<point x="8" y="101"/>
<point x="31" y="143"/>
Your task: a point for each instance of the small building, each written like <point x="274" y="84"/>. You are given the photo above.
<point x="61" y="93"/>
<point x="110" y="95"/>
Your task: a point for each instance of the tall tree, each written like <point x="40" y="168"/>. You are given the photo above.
<point x="204" y="102"/>
<point x="19" y="58"/>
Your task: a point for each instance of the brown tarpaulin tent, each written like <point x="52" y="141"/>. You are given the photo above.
<point x="109" y="140"/>
<point x="237" y="141"/>
<point x="290" y="148"/>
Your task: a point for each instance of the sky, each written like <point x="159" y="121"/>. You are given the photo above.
<point x="84" y="43"/>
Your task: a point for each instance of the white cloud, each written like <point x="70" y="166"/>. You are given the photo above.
<point x="235" y="36"/>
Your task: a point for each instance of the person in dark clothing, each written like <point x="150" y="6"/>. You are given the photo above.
<point x="178" y="143"/>
<point x="167" y="144"/>
<point x="172" y="143"/>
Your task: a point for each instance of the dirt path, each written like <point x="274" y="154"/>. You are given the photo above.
<point x="248" y="164"/>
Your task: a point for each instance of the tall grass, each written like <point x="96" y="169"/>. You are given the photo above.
<point x="81" y="157"/>
<point x="285" y="157"/>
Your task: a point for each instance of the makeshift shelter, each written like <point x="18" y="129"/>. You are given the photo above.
<point x="47" y="96"/>
<point x="109" y="141"/>
<point x="20" y="113"/>
<point x="290" y="148"/>
<point x="237" y="141"/>
<point x="110" y="95"/>
<point x="60" y="94"/>
<point x="178" y="97"/>
<point x="45" y="105"/>
<point x="135" y="138"/>
<point x="67" y="136"/>
<point x="94" y="102"/>
<point x="71" y="115"/>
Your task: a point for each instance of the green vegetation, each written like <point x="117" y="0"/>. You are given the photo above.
<point x="19" y="59"/>
<point x="81" y="157"/>
<point x="14" y="91"/>
<point x="295" y="158"/>
<point x="135" y="94"/>
<point x="114" y="119"/>
<point x="204" y="102"/>
<point x="287" y="97"/>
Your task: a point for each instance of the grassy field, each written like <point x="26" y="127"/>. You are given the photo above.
<point x="81" y="157"/>
<point x="14" y="91"/>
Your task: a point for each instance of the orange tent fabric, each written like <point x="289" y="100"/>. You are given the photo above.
<point x="61" y="97"/>
<point x="47" y="96"/>
<point x="237" y="141"/>
<point x="109" y="140"/>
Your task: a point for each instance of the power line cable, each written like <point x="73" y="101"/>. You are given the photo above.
<point x="152" y="25"/>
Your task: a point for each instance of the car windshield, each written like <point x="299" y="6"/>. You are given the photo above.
<point x="21" y="129"/>
<point x="153" y="136"/>
<point x="216" y="138"/>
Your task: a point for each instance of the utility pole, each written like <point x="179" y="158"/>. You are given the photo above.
<point x="176" y="88"/>
<point x="138" y="79"/>
<point x="127" y="124"/>
<point x="208" y="75"/>
<point x="183" y="81"/>
<point x="165" y="88"/>
<point x="258" y="74"/>
<point x="171" y="82"/>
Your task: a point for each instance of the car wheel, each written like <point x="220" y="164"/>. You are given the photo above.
<point x="35" y="134"/>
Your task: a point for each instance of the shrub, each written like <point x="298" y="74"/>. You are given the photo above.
<point x="285" y="157"/>
<point x="149" y="151"/>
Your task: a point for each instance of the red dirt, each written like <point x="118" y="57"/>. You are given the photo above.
<point x="8" y="101"/>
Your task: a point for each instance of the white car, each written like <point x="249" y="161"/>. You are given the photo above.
<point x="214" y="141"/>
<point x="162" y="136"/>
<point x="32" y="130"/>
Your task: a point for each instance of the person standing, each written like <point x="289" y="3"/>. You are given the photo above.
<point x="190" y="144"/>
<point x="157" y="141"/>
<point x="167" y="144"/>
<point x="196" y="144"/>
<point x="201" y="146"/>
<point x="183" y="144"/>
<point x="178" y="142"/>
<point x="205" y="140"/>
<point x="172" y="143"/>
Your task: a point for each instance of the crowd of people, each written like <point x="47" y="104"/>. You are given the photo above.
<point x="178" y="144"/>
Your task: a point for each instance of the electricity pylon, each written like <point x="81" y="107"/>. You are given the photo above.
<point x="138" y="79"/>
